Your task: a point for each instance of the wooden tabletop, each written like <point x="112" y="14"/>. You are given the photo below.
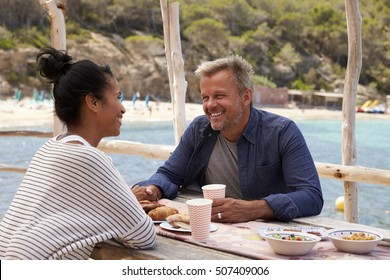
<point x="235" y="241"/>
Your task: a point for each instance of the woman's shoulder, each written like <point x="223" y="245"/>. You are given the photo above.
<point x="76" y="151"/>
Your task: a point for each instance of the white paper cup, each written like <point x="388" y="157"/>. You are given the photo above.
<point x="213" y="191"/>
<point x="199" y="211"/>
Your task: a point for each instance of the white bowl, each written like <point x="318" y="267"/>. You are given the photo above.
<point x="354" y="246"/>
<point x="290" y="247"/>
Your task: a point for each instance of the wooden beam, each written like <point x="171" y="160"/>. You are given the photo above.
<point x="354" y="65"/>
<point x="161" y="152"/>
<point x="353" y="173"/>
<point x="11" y="168"/>
<point x="26" y="133"/>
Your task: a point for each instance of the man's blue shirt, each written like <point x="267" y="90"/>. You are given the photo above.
<point x="274" y="164"/>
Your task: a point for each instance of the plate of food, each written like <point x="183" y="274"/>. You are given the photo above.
<point x="319" y="231"/>
<point x="290" y="243"/>
<point x="181" y="222"/>
<point x="159" y="222"/>
<point x="355" y="241"/>
<point x="167" y="226"/>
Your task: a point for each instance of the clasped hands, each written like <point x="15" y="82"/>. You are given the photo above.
<point x="225" y="210"/>
<point x="150" y="192"/>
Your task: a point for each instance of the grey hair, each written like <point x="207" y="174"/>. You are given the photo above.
<point x="241" y="69"/>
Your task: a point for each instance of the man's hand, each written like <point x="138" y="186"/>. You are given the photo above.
<point x="229" y="210"/>
<point x="150" y="192"/>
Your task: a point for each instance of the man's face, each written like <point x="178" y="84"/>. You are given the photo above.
<point x="227" y="110"/>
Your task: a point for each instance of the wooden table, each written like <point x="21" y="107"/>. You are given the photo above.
<point x="178" y="246"/>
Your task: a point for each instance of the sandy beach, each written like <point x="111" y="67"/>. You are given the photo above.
<point x="29" y="113"/>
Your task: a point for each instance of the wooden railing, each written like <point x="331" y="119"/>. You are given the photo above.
<point x="162" y="152"/>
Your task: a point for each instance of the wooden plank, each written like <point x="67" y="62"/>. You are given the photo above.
<point x="353" y="173"/>
<point x="11" y="168"/>
<point x="166" y="249"/>
<point x="161" y="152"/>
<point x="26" y="133"/>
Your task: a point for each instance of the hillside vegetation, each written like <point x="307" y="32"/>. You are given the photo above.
<point x="295" y="44"/>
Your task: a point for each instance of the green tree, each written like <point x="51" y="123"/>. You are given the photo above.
<point x="292" y="26"/>
<point x="237" y="15"/>
<point x="192" y="12"/>
<point x="208" y="35"/>
<point x="376" y="44"/>
<point x="329" y="34"/>
<point x="288" y="56"/>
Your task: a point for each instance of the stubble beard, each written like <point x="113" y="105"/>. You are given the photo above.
<point x="226" y="124"/>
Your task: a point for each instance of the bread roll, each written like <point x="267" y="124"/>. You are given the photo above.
<point x="149" y="205"/>
<point x="162" y="212"/>
<point x="179" y="221"/>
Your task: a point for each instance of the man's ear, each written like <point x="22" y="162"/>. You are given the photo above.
<point x="247" y="96"/>
<point x="91" y="102"/>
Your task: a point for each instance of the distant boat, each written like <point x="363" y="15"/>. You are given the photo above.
<point x="379" y="109"/>
<point x="371" y="106"/>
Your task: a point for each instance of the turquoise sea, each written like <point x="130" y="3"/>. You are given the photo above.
<point x="323" y="138"/>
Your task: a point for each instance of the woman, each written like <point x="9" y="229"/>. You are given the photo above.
<point x="72" y="196"/>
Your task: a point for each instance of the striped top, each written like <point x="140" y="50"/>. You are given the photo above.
<point x="71" y="198"/>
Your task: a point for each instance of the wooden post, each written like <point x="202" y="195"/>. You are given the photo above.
<point x="175" y="65"/>
<point x="58" y="39"/>
<point x="349" y="103"/>
<point x="167" y="43"/>
<point x="179" y="83"/>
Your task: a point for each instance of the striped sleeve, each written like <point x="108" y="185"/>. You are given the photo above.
<point x="71" y="198"/>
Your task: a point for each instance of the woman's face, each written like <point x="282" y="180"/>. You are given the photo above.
<point x="110" y="114"/>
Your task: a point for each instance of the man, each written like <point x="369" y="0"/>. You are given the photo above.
<point x="261" y="157"/>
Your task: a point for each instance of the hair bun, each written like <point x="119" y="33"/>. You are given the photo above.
<point x="53" y="63"/>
